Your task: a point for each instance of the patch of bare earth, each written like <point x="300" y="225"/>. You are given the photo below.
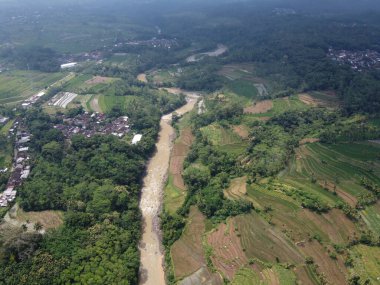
<point x="228" y="255"/>
<point x="94" y="104"/>
<point x="180" y="150"/>
<point x="98" y="80"/>
<point x="142" y="77"/>
<point x="334" y="271"/>
<point x="308" y="140"/>
<point x="16" y="218"/>
<point x="241" y="131"/>
<point x="259" y="107"/>
<point x="237" y="189"/>
<point x="202" y="277"/>
<point x="308" y="100"/>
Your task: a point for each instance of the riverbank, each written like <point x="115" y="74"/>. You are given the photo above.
<point x="151" y="251"/>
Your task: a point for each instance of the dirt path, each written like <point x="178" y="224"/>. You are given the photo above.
<point x="152" y="255"/>
<point x="94" y="104"/>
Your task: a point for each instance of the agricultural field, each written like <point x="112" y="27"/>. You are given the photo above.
<point x="16" y="86"/>
<point x="164" y="76"/>
<point x="106" y="103"/>
<point x="285" y="104"/>
<point x="320" y="99"/>
<point x="224" y="138"/>
<point x="367" y="262"/>
<point x="340" y="166"/>
<point x="243" y="88"/>
<point x="175" y="190"/>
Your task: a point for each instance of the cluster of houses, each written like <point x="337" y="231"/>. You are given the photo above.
<point x="90" y="124"/>
<point x="154" y="42"/>
<point x="358" y="60"/>
<point x="33" y="99"/>
<point x="21" y="163"/>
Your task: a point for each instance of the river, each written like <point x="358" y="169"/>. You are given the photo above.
<point x="221" y="49"/>
<point x="151" y="251"/>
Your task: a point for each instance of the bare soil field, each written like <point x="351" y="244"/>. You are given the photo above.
<point x="308" y="100"/>
<point x="98" y="80"/>
<point x="308" y="140"/>
<point x="237" y="189"/>
<point x="322" y="99"/>
<point x="16" y="217"/>
<point x="259" y="107"/>
<point x="241" y="130"/>
<point x="187" y="253"/>
<point x="202" y="277"/>
<point x="228" y="255"/>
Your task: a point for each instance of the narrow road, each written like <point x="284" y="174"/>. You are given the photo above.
<point x="151" y="250"/>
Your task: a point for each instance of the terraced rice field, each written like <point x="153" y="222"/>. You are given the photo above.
<point x="228" y="255"/>
<point x="175" y="190"/>
<point x="224" y="138"/>
<point x="342" y="165"/>
<point x="285" y="233"/>
<point x="187" y="253"/>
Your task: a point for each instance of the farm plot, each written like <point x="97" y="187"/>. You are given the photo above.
<point x="187" y="253"/>
<point x="228" y="255"/>
<point x="367" y="263"/>
<point x="340" y="166"/>
<point x="15" y="86"/>
<point x="265" y="242"/>
<point x="237" y="188"/>
<point x="291" y="234"/>
<point x="260" y="107"/>
<point x="62" y="99"/>
<point x="106" y="103"/>
<point x="243" y="88"/>
<point x="323" y="99"/>
<point x="224" y="138"/>
<point x="279" y="105"/>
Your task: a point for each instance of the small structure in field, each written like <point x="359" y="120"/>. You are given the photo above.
<point x="137" y="138"/>
<point x="69" y="65"/>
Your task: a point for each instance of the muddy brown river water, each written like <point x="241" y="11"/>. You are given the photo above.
<point x="151" y="251"/>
